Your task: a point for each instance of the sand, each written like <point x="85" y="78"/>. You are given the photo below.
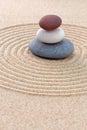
<point x="29" y="112"/>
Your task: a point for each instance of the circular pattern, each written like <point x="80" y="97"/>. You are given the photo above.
<point x="22" y="71"/>
<point x="50" y="37"/>
<point x="59" y="50"/>
<point x="50" y="22"/>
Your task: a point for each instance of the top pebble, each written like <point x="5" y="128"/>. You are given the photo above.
<point x="50" y="22"/>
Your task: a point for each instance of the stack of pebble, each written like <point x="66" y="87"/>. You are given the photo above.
<point x="49" y="41"/>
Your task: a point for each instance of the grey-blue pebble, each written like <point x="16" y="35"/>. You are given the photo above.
<point x="54" y="51"/>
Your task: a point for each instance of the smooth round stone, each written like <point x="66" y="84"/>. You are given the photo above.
<point x="50" y="37"/>
<point x="55" y="51"/>
<point x="50" y="22"/>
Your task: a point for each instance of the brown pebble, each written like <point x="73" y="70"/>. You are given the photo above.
<point x="50" y="22"/>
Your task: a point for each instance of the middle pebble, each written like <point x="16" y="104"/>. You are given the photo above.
<point x="50" y="37"/>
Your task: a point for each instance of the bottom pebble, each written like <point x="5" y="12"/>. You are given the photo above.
<point x="53" y="51"/>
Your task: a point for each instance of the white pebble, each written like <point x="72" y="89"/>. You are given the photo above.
<point x="50" y="37"/>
